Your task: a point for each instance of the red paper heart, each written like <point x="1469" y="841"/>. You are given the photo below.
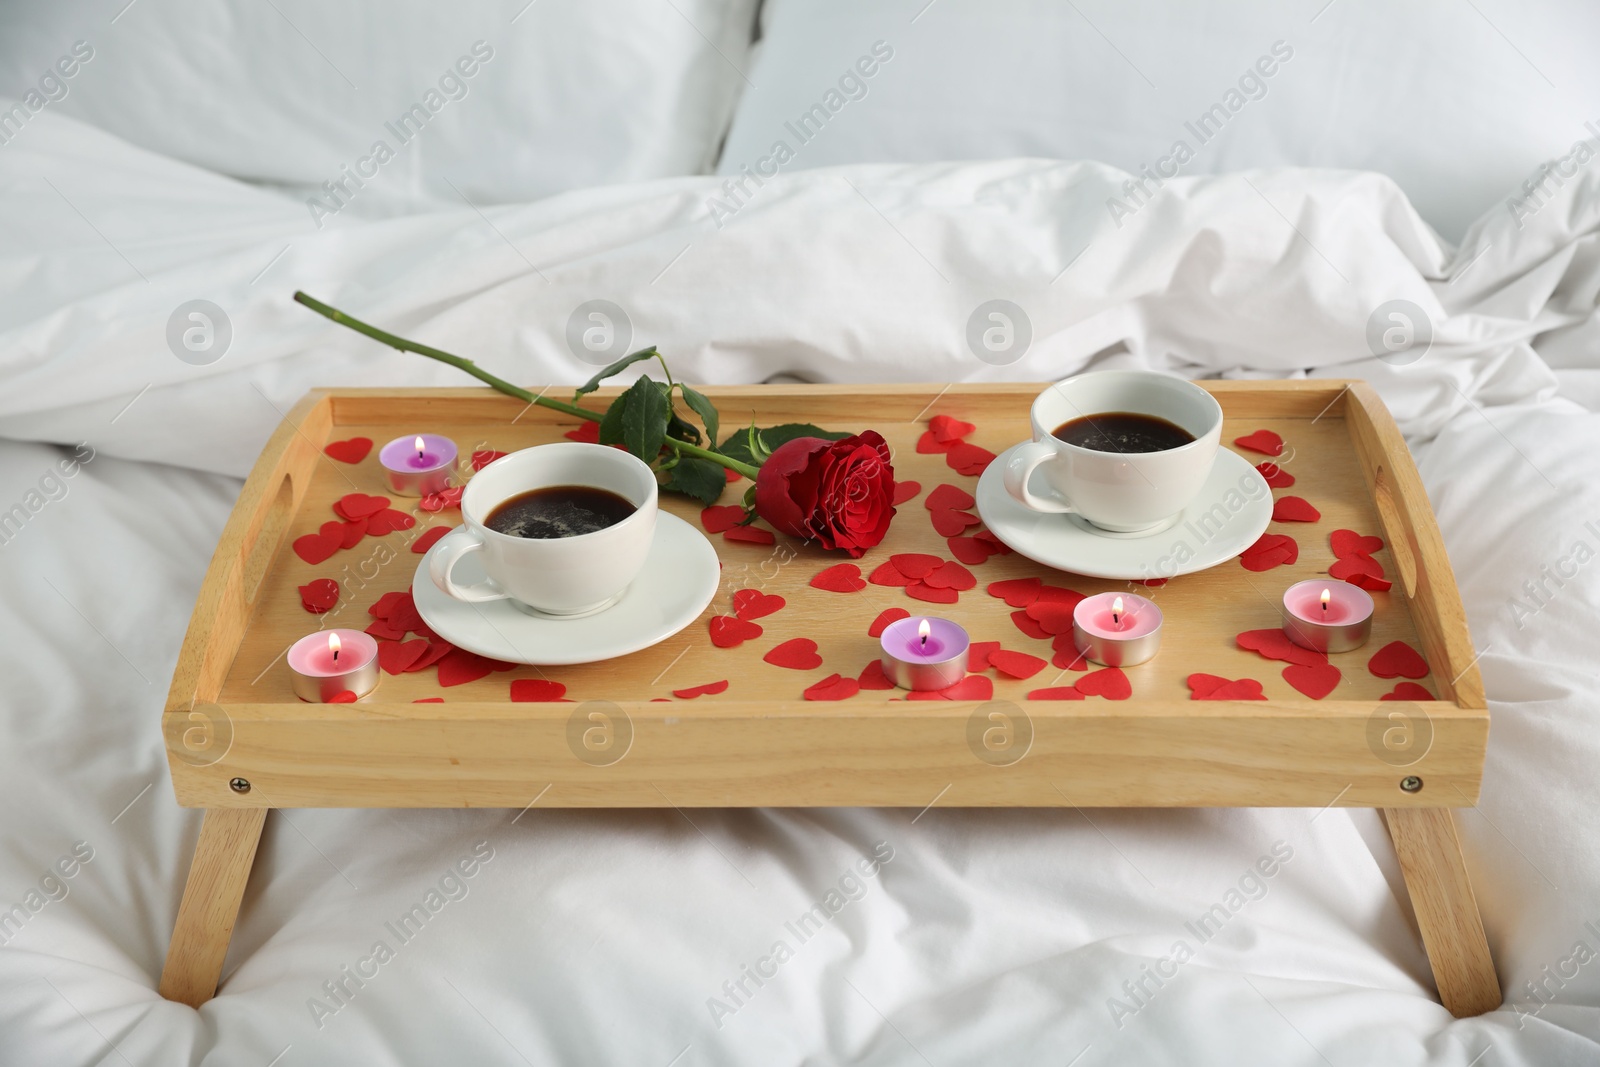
<point x="380" y="628"/>
<point x="1270" y="550"/>
<point x="946" y="428"/>
<point x="872" y="677"/>
<point x="1407" y="691"/>
<point x="404" y="615"/>
<point x="397" y="657"/>
<point x="437" y="650"/>
<point x="949" y="498"/>
<point x="1059" y="692"/>
<point x="888" y="574"/>
<point x="1264" y="441"/>
<point x="1314" y="680"/>
<point x="428" y="700"/>
<point x="587" y="432"/>
<point x="350" y="533"/>
<point x="969" y="550"/>
<point x="1016" y="592"/>
<point x="1371" y="584"/>
<point x="536" y="691"/>
<point x="1242" y="689"/>
<point x="885" y="617"/>
<point x="1108" y="682"/>
<point x="797" y="654"/>
<point x="978" y="654"/>
<point x="833" y="687"/>
<point x="1016" y="664"/>
<point x="1052" y="616"/>
<point x="968" y="459"/>
<point x="1349" y="543"/>
<point x="709" y="689"/>
<point x="950" y="575"/>
<point x="484" y="457"/>
<point x="343" y="696"/>
<point x="1349" y="568"/>
<point x="445" y="498"/>
<point x="458" y="667"/>
<point x="1275" y="644"/>
<point x="387" y="521"/>
<point x="932" y="594"/>
<point x="1294" y="509"/>
<point x="429" y="539"/>
<point x="359" y="505"/>
<point x="972" y="687"/>
<point x="319" y="595"/>
<point x="754" y="535"/>
<point x="316" y="548"/>
<point x="1067" y="657"/>
<point x="915" y="565"/>
<point x="388" y="602"/>
<point x="752" y="604"/>
<point x="718" y="519"/>
<point x="1398" y="660"/>
<point x="1276" y="476"/>
<point x="1201" y="685"/>
<point x="905" y="492"/>
<point x="1029" y="625"/>
<point x="929" y="445"/>
<point x="1000" y="547"/>
<point x="353" y="450"/>
<point x="728" y="631"/>
<point x="951" y="523"/>
<point x="839" y="578"/>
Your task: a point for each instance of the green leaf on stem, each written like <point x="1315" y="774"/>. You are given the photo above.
<point x="626" y="361"/>
<point x="699" y="478"/>
<point x="768" y="440"/>
<point x="644" y="419"/>
<point x="611" y="421"/>
<point x="681" y="429"/>
<point x="700" y="405"/>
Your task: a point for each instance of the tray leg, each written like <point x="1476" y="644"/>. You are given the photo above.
<point x="1447" y="913"/>
<point x="222" y="859"/>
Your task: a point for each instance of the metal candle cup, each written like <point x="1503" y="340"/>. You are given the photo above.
<point x="330" y="662"/>
<point x="923" y="665"/>
<point x="1117" y="629"/>
<point x="1343" y="625"/>
<point x="419" y="465"/>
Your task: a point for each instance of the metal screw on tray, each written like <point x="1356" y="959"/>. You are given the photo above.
<point x="240" y="785"/>
<point x="1411" y="784"/>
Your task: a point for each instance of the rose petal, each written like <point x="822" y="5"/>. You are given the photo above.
<point x="885" y="617"/>
<point x="797" y="654"/>
<point x="709" y="689"/>
<point x="1263" y="441"/>
<point x="351" y="450"/>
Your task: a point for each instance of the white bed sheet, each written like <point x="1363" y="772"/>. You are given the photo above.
<point x="989" y="936"/>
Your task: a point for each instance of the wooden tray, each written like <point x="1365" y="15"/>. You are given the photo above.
<point x="759" y="743"/>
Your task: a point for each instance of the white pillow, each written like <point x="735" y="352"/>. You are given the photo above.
<point x="513" y="102"/>
<point x="1430" y="93"/>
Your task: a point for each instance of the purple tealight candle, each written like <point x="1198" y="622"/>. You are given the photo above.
<point x="925" y="654"/>
<point x="420" y="465"/>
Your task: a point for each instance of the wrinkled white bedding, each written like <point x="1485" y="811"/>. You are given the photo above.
<point x="979" y="936"/>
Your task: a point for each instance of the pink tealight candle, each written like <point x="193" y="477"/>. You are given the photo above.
<point x="419" y="465"/>
<point x="1326" y="615"/>
<point x="1117" y="629"/>
<point x="925" y="654"/>
<point x="330" y="662"/>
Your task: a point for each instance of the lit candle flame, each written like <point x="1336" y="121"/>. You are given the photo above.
<point x="1116" y="612"/>
<point x="923" y="629"/>
<point x="1326" y="596"/>
<point x="421" y="448"/>
<point x="333" y="646"/>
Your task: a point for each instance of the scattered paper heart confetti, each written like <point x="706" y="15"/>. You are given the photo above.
<point x="969" y="550"/>
<point x="930" y="445"/>
<point x="381" y="629"/>
<point x="905" y="492"/>
<point x="429" y="539"/>
<point x="888" y="574"/>
<point x="428" y="700"/>
<point x="1315" y="680"/>
<point x="458" y="667"/>
<point x="752" y="604"/>
<point x="350" y="533"/>
<point x="1294" y="509"/>
<point x="968" y="459"/>
<point x="1108" y="682"/>
<point x="872" y="676"/>
<point x="978" y="655"/>
<point x="839" y="578"/>
<point x="1270" y="550"/>
<point x="437" y="650"/>
<point x="587" y="432"/>
<point x="1016" y="592"/>
<point x="1264" y="441"/>
<point x="797" y="654"/>
<point x="536" y="690"/>
<point x="833" y="687"/>
<point x="885" y="617"/>
<point x="949" y="498"/>
<point x="1211" y="687"/>
<point x="316" y="548"/>
<point x="1016" y="664"/>
<point x="353" y="450"/>
<point x="319" y="595"/>
<point x="445" y="498"/>
<point x="388" y="602"/>
<point x="728" y="631"/>
<point x="947" y="428"/>
<point x="1275" y="644"/>
<point x="1202" y="684"/>
<point x="343" y="696"/>
<point x="484" y="457"/>
<point x="915" y="565"/>
<point x="387" y="521"/>
<point x="1276" y="476"/>
<point x="1000" y="547"/>
<point x="949" y="523"/>
<point x="1407" y="691"/>
<point x="1349" y="543"/>
<point x="1052" y="616"/>
<point x="1029" y="625"/>
<point x="396" y="657"/>
<point x="709" y="689"/>
<point x="359" y="505"/>
<point x="754" y="535"/>
<point x="1371" y="584"/>
<point x="404" y="615"/>
<point x="972" y="687"/>
<point x="1349" y="568"/>
<point x="1059" y="692"/>
<point x="950" y="575"/>
<point x="1398" y="660"/>
<point x="718" y="519"/>
<point x="1067" y="657"/>
<point x="932" y="594"/>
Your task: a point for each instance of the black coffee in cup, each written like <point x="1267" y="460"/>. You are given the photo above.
<point x="559" y="511"/>
<point x="1122" y="431"/>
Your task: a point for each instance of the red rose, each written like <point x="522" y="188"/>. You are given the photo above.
<point x="841" y="493"/>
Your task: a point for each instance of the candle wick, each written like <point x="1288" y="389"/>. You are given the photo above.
<point x="336" y="655"/>
<point x="1116" y="620"/>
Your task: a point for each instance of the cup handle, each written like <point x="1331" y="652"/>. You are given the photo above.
<point x="1020" y="467"/>
<point x="443" y="559"/>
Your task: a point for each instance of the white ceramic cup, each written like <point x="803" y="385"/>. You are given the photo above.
<point x="566" y="576"/>
<point x="1116" y="491"/>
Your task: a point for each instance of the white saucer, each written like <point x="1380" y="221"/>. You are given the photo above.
<point x="1068" y="543"/>
<point x="679" y="579"/>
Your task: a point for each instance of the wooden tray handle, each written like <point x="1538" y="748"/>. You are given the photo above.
<point x="260" y="543"/>
<point x="1407" y="555"/>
